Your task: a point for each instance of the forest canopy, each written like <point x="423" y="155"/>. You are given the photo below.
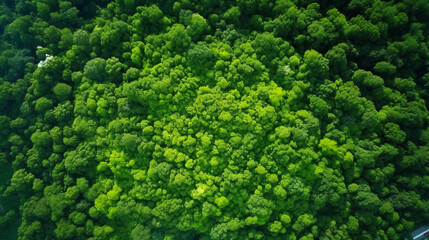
<point x="213" y="120"/>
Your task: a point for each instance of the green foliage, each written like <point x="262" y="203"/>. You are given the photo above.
<point x="42" y="104"/>
<point x="213" y="119"/>
<point x="200" y="56"/>
<point x="385" y="69"/>
<point x="177" y="38"/>
<point x="62" y="91"/>
<point x="196" y="26"/>
<point x="232" y="15"/>
<point x="95" y="69"/>
<point x="42" y="139"/>
<point x="81" y="38"/>
<point x="315" y="65"/>
<point x="20" y="181"/>
<point x="367" y="79"/>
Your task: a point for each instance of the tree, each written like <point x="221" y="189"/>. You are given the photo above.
<point x="52" y="35"/>
<point x="394" y="134"/>
<point x="114" y="70"/>
<point x="348" y="98"/>
<point x="337" y="57"/>
<point x="42" y="139"/>
<point x="303" y="221"/>
<point x="200" y="56"/>
<point x="360" y="27"/>
<point x="20" y="182"/>
<point x="130" y="141"/>
<point x="62" y="91"/>
<point x="177" y="38"/>
<point x="66" y="39"/>
<point x="315" y="66"/>
<point x="140" y="232"/>
<point x="81" y="38"/>
<point x="18" y="30"/>
<point x="197" y="26"/>
<point x="318" y="106"/>
<point x="385" y="69"/>
<point x="65" y="230"/>
<point x="367" y="79"/>
<point x="232" y="15"/>
<point x="260" y="209"/>
<point x="95" y="69"/>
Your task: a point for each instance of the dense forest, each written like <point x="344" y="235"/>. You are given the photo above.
<point x="213" y="120"/>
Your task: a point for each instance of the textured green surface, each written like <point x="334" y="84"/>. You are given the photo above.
<point x="285" y="119"/>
